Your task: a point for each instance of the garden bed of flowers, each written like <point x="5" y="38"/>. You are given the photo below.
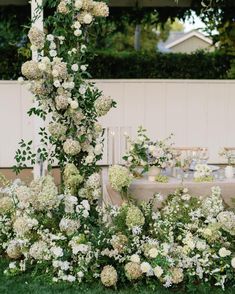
<point x="188" y="241"/>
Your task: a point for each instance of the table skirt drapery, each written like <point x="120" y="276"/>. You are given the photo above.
<point x="143" y="190"/>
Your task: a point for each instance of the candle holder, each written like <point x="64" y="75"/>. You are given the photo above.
<point x="112" y="145"/>
<point x="125" y="133"/>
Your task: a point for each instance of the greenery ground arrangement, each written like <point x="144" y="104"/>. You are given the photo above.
<point x="25" y="284"/>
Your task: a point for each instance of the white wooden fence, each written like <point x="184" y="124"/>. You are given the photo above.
<point x="198" y="112"/>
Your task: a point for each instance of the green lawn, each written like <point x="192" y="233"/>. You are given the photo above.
<point x="25" y="284"/>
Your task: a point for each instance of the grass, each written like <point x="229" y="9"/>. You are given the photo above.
<point x="25" y="284"/>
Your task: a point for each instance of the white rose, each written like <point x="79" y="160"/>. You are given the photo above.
<point x="78" y="4"/>
<point x="71" y="85"/>
<point x="223" y="252"/>
<point x="233" y="262"/>
<point x="74" y="67"/>
<point x="82" y="90"/>
<point x="56" y="83"/>
<point x="153" y="252"/>
<point x="85" y="204"/>
<point x="50" y="38"/>
<point x="135" y="258"/>
<point x="98" y="149"/>
<point x="52" y="45"/>
<point x="57" y="251"/>
<point x="87" y="19"/>
<point x="80" y="274"/>
<point x="61" y="39"/>
<point x="145" y="267"/>
<point x="52" y="53"/>
<point x="77" y="25"/>
<point x="83" y="48"/>
<point x="83" y="67"/>
<point x="130" y="158"/>
<point x="71" y="278"/>
<point x="12" y="265"/>
<point x="77" y="33"/>
<point x="85" y="213"/>
<point x="158" y="271"/>
<point x="89" y="158"/>
<point x="74" y="104"/>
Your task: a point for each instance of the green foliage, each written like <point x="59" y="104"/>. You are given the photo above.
<point x="131" y="65"/>
<point x="13" y="49"/>
<point x="231" y="73"/>
<point x="26" y="284"/>
<point x="161" y="179"/>
<point x="24" y="156"/>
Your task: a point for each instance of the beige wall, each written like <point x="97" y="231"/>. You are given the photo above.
<point x="190" y="45"/>
<point x="198" y="112"/>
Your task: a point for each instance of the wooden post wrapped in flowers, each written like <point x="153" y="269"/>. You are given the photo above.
<point x="58" y="80"/>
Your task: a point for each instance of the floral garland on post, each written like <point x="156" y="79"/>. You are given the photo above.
<point x="72" y="104"/>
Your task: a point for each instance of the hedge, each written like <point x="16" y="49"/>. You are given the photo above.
<point x="131" y="65"/>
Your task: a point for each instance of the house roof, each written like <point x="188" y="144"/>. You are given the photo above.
<point x="185" y="36"/>
<point x="176" y="38"/>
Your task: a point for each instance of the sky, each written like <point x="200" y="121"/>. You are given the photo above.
<point x="189" y="25"/>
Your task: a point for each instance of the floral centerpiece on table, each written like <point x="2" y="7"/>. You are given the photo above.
<point x="203" y="173"/>
<point x="145" y="153"/>
<point x="228" y="155"/>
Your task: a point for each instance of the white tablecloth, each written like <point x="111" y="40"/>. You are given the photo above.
<point x="142" y="189"/>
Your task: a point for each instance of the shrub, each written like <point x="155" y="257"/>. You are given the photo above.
<point x="130" y="65"/>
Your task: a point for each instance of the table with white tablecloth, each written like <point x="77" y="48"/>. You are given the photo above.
<point x="143" y="190"/>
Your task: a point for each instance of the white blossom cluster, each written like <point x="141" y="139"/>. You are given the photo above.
<point x="103" y="105"/>
<point x="119" y="177"/>
<point x="202" y="173"/>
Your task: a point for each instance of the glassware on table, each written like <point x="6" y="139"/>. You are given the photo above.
<point x="125" y="134"/>
<point x="194" y="154"/>
<point x="204" y="155"/>
<point x="186" y="162"/>
<point x="221" y="175"/>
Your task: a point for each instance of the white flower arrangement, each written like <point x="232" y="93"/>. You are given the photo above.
<point x="228" y="155"/>
<point x="203" y="173"/>
<point x="145" y="153"/>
